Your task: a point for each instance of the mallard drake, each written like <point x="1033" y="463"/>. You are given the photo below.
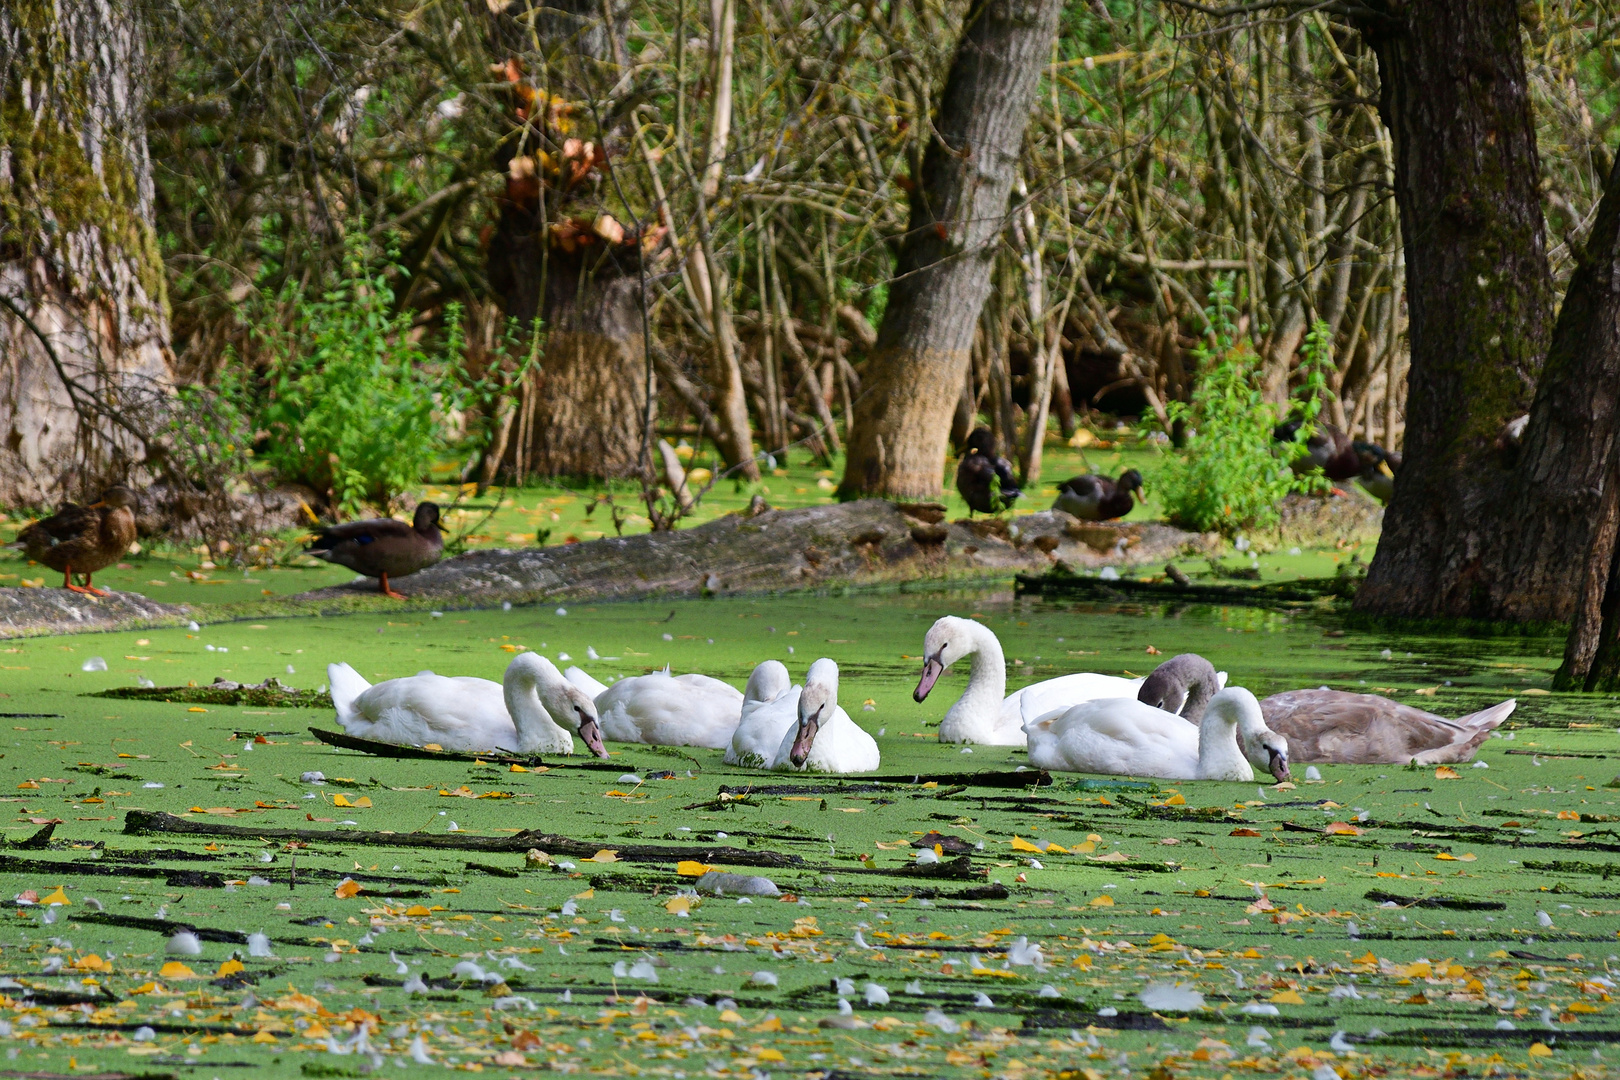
<point x="1097" y="498"/>
<point x="83" y="539"/>
<point x="1328" y="449"/>
<point x="384" y="547"/>
<point x="1378" y="469"/>
<point x="985" y="480"/>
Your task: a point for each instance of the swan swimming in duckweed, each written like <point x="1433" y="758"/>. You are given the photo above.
<point x="1125" y="737"/>
<point x="982" y="715"/>
<point x="519" y="714"/>
<point x="770" y="709"/>
<point x="661" y="709"/>
<point x="825" y="739"/>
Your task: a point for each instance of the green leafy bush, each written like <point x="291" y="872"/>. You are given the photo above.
<point x="1227" y="479"/>
<point x="353" y="404"/>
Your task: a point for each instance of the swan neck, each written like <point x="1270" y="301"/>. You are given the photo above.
<point x="1218" y="751"/>
<point x="1198" y="696"/>
<point x="987" y="676"/>
<point x="529" y="715"/>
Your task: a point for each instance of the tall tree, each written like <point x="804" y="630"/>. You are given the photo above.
<point x="85" y="363"/>
<point x="942" y="275"/>
<point x="1454" y="96"/>
<point x="559" y="253"/>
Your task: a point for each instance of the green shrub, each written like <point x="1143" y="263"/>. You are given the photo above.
<point x="353" y="405"/>
<point x="1227" y="479"/>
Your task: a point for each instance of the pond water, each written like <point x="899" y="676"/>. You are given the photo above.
<point x="1233" y="893"/>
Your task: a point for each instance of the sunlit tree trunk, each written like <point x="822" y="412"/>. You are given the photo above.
<point x="85" y="363"/>
<point x="958" y="208"/>
<point x="1455" y="99"/>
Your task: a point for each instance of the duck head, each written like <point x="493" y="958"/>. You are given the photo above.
<point x="426" y="520"/>
<point x="816" y="706"/>
<point x="980" y="441"/>
<point x="117" y="496"/>
<point x="947" y="641"/>
<point x="1129" y="481"/>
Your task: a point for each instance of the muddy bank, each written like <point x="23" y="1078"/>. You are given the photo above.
<point x="29" y="612"/>
<point x="859" y="543"/>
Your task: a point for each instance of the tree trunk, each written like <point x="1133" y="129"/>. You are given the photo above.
<point x="85" y="364"/>
<point x="1554" y="521"/>
<point x="559" y="254"/>
<point x="942" y="275"/>
<point x="1454" y="97"/>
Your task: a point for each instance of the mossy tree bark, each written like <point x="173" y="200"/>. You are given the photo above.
<point x="559" y="253"/>
<point x="1559" y="547"/>
<point x="85" y="362"/>
<point x="942" y="275"/>
<point x="1455" y="99"/>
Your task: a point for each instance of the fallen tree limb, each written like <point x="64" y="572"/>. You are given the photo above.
<point x="151" y="823"/>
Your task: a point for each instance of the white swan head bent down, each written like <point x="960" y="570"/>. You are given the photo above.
<point x="1237" y="711"/>
<point x="816" y="703"/>
<point x="530" y="677"/>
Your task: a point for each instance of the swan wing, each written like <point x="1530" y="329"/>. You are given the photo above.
<point x="1340" y="727"/>
<point x="456" y="714"/>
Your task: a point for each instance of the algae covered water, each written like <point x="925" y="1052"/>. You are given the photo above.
<point x="1379" y="920"/>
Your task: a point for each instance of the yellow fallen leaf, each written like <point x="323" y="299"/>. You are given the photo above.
<point x="1369" y="958"/>
<point x="417" y="910"/>
<point x="229" y="967"/>
<point x="91" y="962"/>
<point x="1540" y="1049"/>
<point x="1446" y="772"/>
<point x="348" y="888"/>
<point x="432" y="746"/>
<point x="1051" y="849"/>
<point x="678" y="904"/>
<point x="517" y="768"/>
<point x="196" y="708"/>
<point x="263" y="1037"/>
<point x="1569" y="815"/>
<point x="768" y="1054"/>
<point x="1584" y="1007"/>
<point x="174" y="969"/>
<point x="1286" y="997"/>
<point x="1341" y="828"/>
<point x="57" y="897"/>
<point x="769" y="1024"/>
<point x="730" y="1016"/>
<point x="692" y="868"/>
<point x="1086" y="848"/>
<point x="1112" y="856"/>
<point x="1024" y="845"/>
<point x="586" y="895"/>
<point x="145" y="988"/>
<point x="341" y="799"/>
<point x="605" y="855"/>
<point x="1176" y="800"/>
<point x="1101" y="901"/>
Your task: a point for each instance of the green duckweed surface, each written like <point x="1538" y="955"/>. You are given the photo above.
<point x="1448" y="926"/>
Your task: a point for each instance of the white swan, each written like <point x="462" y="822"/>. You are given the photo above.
<point x="1125" y="737"/>
<point x="770" y="709"/>
<point x="825" y="739"/>
<point x="665" y="710"/>
<point x="519" y="714"/>
<point x="981" y="714"/>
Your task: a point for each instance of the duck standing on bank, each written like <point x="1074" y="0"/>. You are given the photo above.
<point x="384" y="547"/>
<point x="1097" y="498"/>
<point x="1327" y="448"/>
<point x="984" y="480"/>
<point x="1378" y="469"/>
<point x="83" y="539"/>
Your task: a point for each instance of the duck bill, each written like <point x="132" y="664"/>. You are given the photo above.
<point x="591" y="732"/>
<point x="1385" y="470"/>
<point x="800" y="751"/>
<point x="932" y="670"/>
<point x="1279" y="766"/>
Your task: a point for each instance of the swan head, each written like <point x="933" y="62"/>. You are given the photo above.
<point x="768" y="682"/>
<point x="1239" y="708"/>
<point x="947" y="641"/>
<point x="568" y="705"/>
<point x="816" y="705"/>
<point x="1170" y="684"/>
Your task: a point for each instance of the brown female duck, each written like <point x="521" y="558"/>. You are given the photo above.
<point x="83" y="539"/>
<point x="384" y="547"/>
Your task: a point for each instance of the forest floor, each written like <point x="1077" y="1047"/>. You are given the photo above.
<point x="1378" y="921"/>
